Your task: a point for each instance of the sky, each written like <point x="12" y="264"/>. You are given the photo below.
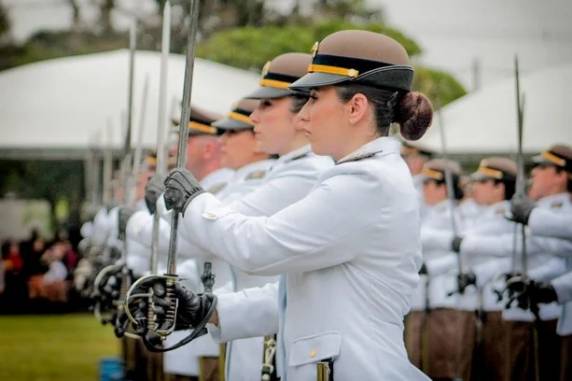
<point x="475" y="40"/>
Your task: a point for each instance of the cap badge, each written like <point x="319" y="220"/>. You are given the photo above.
<point x="315" y="48"/>
<point x="265" y="68"/>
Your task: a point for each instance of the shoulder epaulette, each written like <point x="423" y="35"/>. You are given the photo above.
<point x="256" y="175"/>
<point x="359" y="158"/>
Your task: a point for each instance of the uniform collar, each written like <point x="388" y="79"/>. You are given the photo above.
<point x="258" y="166"/>
<point x="221" y="175"/>
<point x="499" y="208"/>
<point x="293" y="155"/>
<point x="383" y="144"/>
<point x="549" y="201"/>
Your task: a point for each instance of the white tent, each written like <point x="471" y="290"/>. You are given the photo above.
<point x="485" y="121"/>
<point x="63" y="105"/>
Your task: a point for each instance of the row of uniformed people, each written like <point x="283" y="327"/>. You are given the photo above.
<point x="444" y="336"/>
<point x="291" y="176"/>
<point x="342" y="292"/>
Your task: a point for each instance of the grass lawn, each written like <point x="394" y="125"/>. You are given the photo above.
<point x="53" y="347"/>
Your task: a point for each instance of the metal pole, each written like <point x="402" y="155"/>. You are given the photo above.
<point x="183" y="129"/>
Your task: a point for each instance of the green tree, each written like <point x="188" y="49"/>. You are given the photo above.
<point x="4" y="25"/>
<point x="250" y="47"/>
<point x="441" y="87"/>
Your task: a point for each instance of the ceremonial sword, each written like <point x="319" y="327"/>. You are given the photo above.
<point x="167" y="325"/>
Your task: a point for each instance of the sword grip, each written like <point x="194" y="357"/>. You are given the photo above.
<point x="324" y="370"/>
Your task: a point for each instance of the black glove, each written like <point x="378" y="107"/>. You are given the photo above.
<point x="541" y="292"/>
<point x="521" y="207"/>
<point x="155" y="186"/>
<point x="423" y="269"/>
<point x="465" y="280"/>
<point x="180" y="189"/>
<point x="193" y="308"/>
<point x="124" y="214"/>
<point x="456" y="244"/>
<point x="529" y="293"/>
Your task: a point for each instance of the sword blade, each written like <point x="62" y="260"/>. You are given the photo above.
<point x="450" y="185"/>
<point x="183" y="129"/>
<point x="161" y="167"/>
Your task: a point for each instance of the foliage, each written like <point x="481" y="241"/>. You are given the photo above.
<point x="441" y="87"/>
<point x="47" y="45"/>
<point x="4" y="21"/>
<point x="50" y="180"/>
<point x="250" y="47"/>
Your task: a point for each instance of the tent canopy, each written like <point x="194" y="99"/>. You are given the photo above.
<point x="64" y="105"/>
<point x="484" y="122"/>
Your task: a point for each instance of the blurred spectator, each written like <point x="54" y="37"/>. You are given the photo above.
<point x="32" y="251"/>
<point x="14" y="281"/>
<point x="54" y="285"/>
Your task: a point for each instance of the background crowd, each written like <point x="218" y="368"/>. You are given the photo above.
<point x="36" y="274"/>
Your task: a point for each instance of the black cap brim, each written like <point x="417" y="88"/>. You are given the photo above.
<point x="269" y="93"/>
<point x="399" y="77"/>
<point x="231" y="124"/>
<point x="310" y="80"/>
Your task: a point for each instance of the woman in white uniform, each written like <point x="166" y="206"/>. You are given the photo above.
<point x="349" y="252"/>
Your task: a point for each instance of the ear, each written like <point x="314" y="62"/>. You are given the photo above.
<point x="357" y="108"/>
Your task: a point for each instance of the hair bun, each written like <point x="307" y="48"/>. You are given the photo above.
<point x="414" y="114"/>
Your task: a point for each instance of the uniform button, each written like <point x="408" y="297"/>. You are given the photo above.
<point x="210" y="215"/>
<point x="313" y="353"/>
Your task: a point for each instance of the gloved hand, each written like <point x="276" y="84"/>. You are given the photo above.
<point x="124" y="214"/>
<point x="153" y="189"/>
<point x="181" y="187"/>
<point x="456" y="244"/>
<point x="192" y="309"/>
<point x="529" y="293"/>
<point x="465" y="280"/>
<point x="541" y="292"/>
<point x="521" y="207"/>
<point x="423" y="269"/>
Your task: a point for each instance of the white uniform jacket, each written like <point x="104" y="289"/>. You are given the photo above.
<point x="441" y="263"/>
<point x="350" y="251"/>
<point x="553" y="218"/>
<point x="290" y="179"/>
<point x="499" y="248"/>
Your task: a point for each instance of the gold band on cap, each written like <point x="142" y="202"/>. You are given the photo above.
<point x="494" y="173"/>
<point x="554" y="159"/>
<point x="437" y="175"/>
<point x="205" y="128"/>
<point x="315" y="68"/>
<point x="240" y="117"/>
<point x="274" y="83"/>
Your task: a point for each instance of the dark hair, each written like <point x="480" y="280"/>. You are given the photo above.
<point x="412" y="110"/>
<point x="298" y="101"/>
<point x="509" y="187"/>
<point x="458" y="193"/>
<point x="569" y="182"/>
